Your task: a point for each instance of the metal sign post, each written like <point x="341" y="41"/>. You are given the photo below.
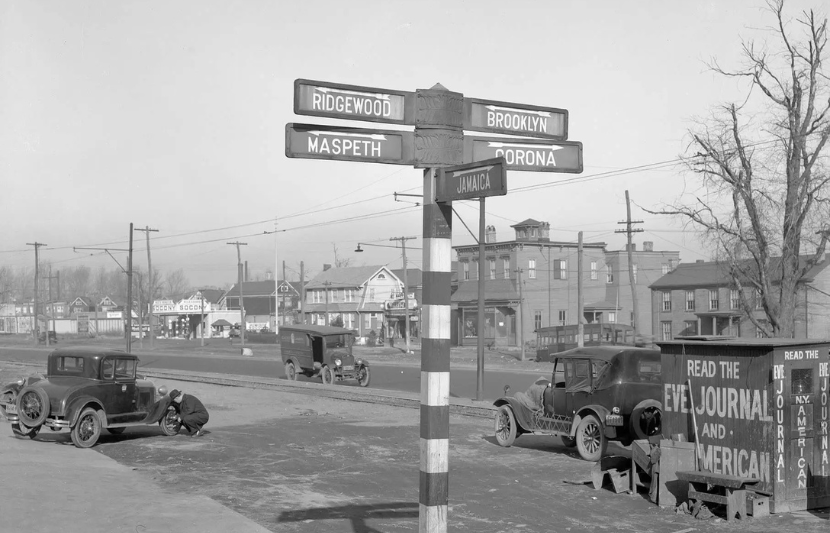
<point x="438" y="142"/>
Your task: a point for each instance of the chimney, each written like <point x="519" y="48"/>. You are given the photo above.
<point x="700" y="261"/>
<point x="648" y="246"/>
<point x="267" y="275"/>
<point x="490" y="234"/>
<point x="326" y="266"/>
<point x="633" y="247"/>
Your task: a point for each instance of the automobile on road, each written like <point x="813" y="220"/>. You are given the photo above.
<point x="321" y="351"/>
<point x="85" y="390"/>
<point x="596" y="394"/>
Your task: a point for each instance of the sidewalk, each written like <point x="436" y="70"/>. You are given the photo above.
<point x="50" y="487"/>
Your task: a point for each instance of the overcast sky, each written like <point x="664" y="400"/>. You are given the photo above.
<point x="172" y="115"/>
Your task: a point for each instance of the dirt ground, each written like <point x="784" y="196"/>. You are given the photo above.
<point x="295" y="462"/>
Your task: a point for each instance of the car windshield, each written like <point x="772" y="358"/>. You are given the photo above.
<point x="337" y="341"/>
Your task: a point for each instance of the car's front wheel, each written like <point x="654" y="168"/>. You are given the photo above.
<point x="169" y="425"/>
<point x="505" y="426"/>
<point x="328" y="375"/>
<point x="590" y="439"/>
<point x="363" y="376"/>
<point x="290" y="371"/>
<point x="87" y="430"/>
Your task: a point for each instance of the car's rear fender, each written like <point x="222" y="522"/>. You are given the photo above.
<point x="77" y="405"/>
<point x="600" y="412"/>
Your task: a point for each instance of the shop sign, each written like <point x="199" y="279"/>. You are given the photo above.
<point x="164" y="306"/>
<point x="114" y="314"/>
<point x="191" y="306"/>
<point x="398" y="295"/>
<point x="399" y="304"/>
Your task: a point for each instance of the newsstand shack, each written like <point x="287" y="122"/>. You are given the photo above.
<point x="761" y="411"/>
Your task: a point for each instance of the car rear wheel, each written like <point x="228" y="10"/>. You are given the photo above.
<point x="328" y="375"/>
<point x="87" y="430"/>
<point x="291" y="371"/>
<point x="363" y="376"/>
<point x="168" y="423"/>
<point x="505" y="426"/>
<point x="32" y="406"/>
<point x="115" y="431"/>
<point x="590" y="439"/>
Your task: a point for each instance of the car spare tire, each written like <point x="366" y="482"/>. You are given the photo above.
<point x="32" y="406"/>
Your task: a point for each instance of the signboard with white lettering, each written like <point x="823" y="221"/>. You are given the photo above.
<point x="473" y="180"/>
<point x="193" y="306"/>
<point x="515" y="119"/>
<point x="353" y="102"/>
<point x="536" y="155"/>
<point x="349" y="144"/>
<point x="163" y="306"/>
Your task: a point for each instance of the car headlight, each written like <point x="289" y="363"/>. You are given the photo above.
<point x="358" y="362"/>
<point x="615" y="410"/>
<point x="337" y="362"/>
<point x="20" y="382"/>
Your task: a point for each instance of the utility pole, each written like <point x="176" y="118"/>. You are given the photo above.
<point x="302" y="292"/>
<point x="50" y="277"/>
<point x="239" y="282"/>
<point x="140" y="312"/>
<point x="130" y="294"/>
<point x="521" y="314"/>
<point x="580" y="300"/>
<point x="629" y="230"/>
<point x="405" y="289"/>
<point x="147" y="231"/>
<point x="201" y="294"/>
<point x="326" y="285"/>
<point x="277" y="283"/>
<point x="37" y="272"/>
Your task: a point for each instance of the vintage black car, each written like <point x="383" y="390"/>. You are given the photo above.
<point x="596" y="394"/>
<point x="84" y="391"/>
<point x="324" y="351"/>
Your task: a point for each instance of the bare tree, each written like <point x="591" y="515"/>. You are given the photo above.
<point x="7" y="287"/>
<point x="76" y="281"/>
<point x="759" y="163"/>
<point x="340" y="262"/>
<point x="177" y="284"/>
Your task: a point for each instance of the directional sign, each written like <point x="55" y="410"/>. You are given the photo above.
<point x="473" y="180"/>
<point x="335" y="100"/>
<point x="515" y="119"/>
<point x="526" y="154"/>
<point x="349" y="144"/>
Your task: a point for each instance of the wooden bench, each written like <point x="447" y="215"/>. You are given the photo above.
<point x="719" y="488"/>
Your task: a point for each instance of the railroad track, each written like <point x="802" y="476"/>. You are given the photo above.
<point x="354" y="394"/>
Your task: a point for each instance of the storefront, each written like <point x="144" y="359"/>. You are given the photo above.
<point x="396" y="318"/>
<point x="499" y="326"/>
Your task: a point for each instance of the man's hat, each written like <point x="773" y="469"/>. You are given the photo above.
<point x="174" y="393"/>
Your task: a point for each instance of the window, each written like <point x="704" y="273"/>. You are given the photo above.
<point x="609" y="274"/>
<point x="125" y="369"/>
<point x="537" y="319"/>
<point x="666" y="301"/>
<point x="759" y="302"/>
<point x="492" y="263"/>
<point x="531" y="269"/>
<point x="612" y="317"/>
<point x="690" y="300"/>
<point x="665" y="268"/>
<point x="690" y="327"/>
<point x="348" y="320"/>
<point x="348" y="295"/>
<point x="466" y="268"/>
<point x="532" y="232"/>
<point x="713" y="300"/>
<point x="760" y="333"/>
<point x="672" y="264"/>
<point x="474" y="268"/>
<point x="372" y="294"/>
<point x="734" y="299"/>
<point x="506" y="265"/>
<point x="71" y="364"/>
<point x="665" y="331"/>
<point x="563" y="317"/>
<point x="106" y="369"/>
<point x="560" y="269"/>
<point x="634" y="271"/>
<point x="315" y="297"/>
<point x="593" y="270"/>
<point x="333" y="297"/>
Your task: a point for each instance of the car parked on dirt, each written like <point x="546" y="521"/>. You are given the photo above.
<point x="84" y="391"/>
<point x="324" y="351"/>
<point x="596" y="394"/>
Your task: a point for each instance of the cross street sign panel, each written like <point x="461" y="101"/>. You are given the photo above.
<point x="312" y="141"/>
<point x="534" y="155"/>
<point x="473" y="180"/>
<point x="353" y="102"/>
<point x="515" y="119"/>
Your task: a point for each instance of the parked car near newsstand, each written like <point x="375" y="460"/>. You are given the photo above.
<point x="596" y="394"/>
<point x="86" y="390"/>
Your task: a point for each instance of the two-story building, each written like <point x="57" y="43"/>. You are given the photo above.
<point x="365" y="298"/>
<point x="701" y="298"/>
<point x="549" y="276"/>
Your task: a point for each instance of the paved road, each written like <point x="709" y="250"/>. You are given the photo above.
<point x="387" y="377"/>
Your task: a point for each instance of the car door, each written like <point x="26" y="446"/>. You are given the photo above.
<point x="125" y="404"/>
<point x="578" y="384"/>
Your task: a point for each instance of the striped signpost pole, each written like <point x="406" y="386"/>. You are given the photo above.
<point x="435" y="361"/>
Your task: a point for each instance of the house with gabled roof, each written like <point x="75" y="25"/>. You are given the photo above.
<point x="701" y="298"/>
<point x="81" y="304"/>
<point x="363" y="297"/>
<point x="262" y="299"/>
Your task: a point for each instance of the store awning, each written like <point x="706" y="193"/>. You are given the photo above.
<point x="221" y="323"/>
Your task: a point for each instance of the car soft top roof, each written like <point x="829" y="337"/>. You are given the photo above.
<point x="319" y="330"/>
<point x="605" y="353"/>
<point x="95" y="351"/>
